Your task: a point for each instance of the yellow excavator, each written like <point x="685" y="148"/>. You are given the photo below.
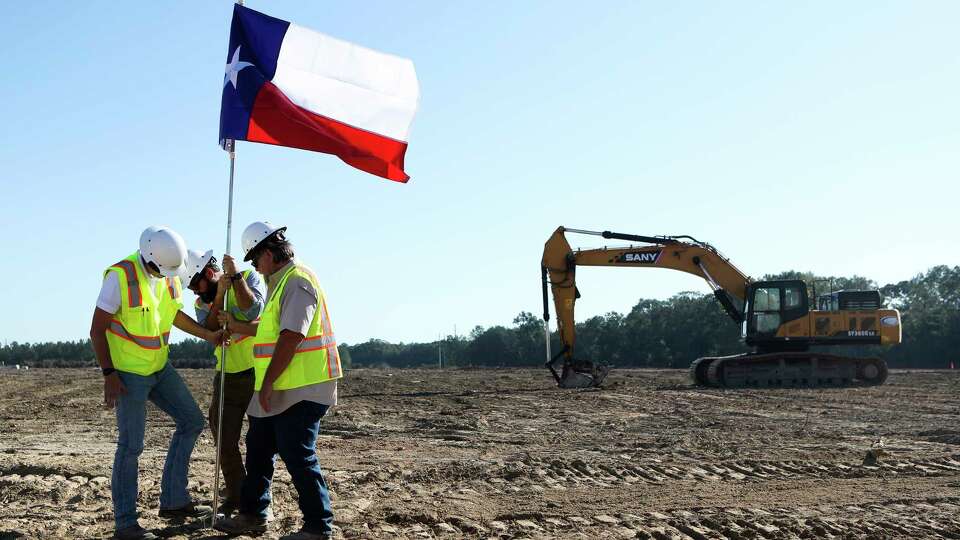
<point x="776" y="317"/>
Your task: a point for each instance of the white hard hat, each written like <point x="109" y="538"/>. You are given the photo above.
<point x="257" y="232"/>
<point x="196" y="262"/>
<point x="145" y="235"/>
<point x="165" y="248"/>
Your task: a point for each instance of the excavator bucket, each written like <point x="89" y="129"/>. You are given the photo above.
<point x="583" y="375"/>
<point x="579" y="379"/>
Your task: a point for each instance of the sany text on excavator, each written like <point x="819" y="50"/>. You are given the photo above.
<point x="776" y="317"/>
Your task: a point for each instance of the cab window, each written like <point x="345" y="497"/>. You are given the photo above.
<point x="766" y="310"/>
<point x="767" y="299"/>
<point x="791" y="297"/>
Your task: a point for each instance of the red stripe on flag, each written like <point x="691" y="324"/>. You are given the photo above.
<point x="277" y="120"/>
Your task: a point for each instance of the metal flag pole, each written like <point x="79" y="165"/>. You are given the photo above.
<point x="228" y="145"/>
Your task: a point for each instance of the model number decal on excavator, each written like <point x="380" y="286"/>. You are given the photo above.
<point x="642" y="257"/>
<point x="861" y="333"/>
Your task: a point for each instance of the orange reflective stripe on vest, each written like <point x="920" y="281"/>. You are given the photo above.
<point x="310" y="344"/>
<point x="172" y="289"/>
<point x="146" y="342"/>
<point x="133" y="284"/>
<point x="315" y="343"/>
<point x="333" y="354"/>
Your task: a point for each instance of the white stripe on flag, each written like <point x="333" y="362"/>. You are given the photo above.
<point x="361" y="87"/>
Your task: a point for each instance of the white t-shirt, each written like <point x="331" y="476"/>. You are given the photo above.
<point x="109" y="299"/>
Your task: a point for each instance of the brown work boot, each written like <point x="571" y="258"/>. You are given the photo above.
<point x="242" y="524"/>
<point x="135" y="532"/>
<point x="190" y="510"/>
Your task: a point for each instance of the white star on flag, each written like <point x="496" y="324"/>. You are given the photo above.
<point x="234" y="67"/>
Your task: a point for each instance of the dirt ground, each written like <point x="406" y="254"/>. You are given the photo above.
<point x="464" y="453"/>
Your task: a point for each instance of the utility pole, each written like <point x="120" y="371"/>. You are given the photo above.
<point x="439" y="352"/>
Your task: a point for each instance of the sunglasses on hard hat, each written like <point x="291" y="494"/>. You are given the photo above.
<point x="195" y="281"/>
<point x="255" y="256"/>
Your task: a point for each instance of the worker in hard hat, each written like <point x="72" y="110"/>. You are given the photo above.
<point x="140" y="300"/>
<point x="244" y="293"/>
<point x="297" y="366"/>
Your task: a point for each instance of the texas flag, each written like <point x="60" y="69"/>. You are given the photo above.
<point x="290" y="86"/>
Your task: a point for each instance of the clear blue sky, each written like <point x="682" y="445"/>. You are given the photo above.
<point x="819" y="136"/>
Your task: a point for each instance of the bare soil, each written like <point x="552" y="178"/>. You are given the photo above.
<point x="503" y="453"/>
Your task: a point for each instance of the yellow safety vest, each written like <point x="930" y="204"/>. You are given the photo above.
<point x="139" y="332"/>
<point x="316" y="360"/>
<point x="240" y="350"/>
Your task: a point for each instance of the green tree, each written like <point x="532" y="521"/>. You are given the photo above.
<point x="495" y="346"/>
<point x="528" y="338"/>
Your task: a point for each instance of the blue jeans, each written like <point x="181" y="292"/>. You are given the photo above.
<point x="167" y="391"/>
<point x="293" y="435"/>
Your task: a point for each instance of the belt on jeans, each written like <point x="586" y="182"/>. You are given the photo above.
<point x="240" y="373"/>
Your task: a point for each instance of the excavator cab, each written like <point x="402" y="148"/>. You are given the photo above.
<point x="770" y="305"/>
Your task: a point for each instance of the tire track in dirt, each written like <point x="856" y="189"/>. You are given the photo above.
<point x="931" y="518"/>
<point x="560" y="474"/>
<point x="577" y="471"/>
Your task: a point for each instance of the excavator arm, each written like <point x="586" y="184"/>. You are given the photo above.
<point x="683" y="253"/>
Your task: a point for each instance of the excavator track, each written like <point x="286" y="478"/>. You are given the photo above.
<point x="787" y="370"/>
<point x="698" y="371"/>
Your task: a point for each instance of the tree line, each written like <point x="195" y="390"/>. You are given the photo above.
<point x="672" y="333"/>
<point x="655" y="333"/>
<point x="189" y="353"/>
